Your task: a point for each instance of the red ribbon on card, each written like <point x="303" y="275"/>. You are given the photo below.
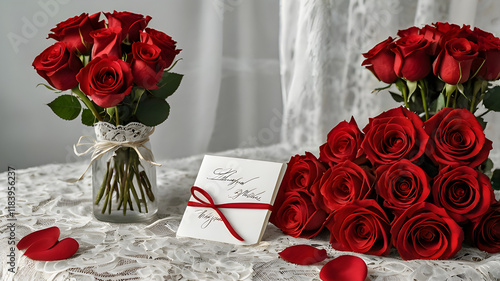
<point x="209" y="203"/>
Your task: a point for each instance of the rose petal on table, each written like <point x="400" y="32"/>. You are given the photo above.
<point x="344" y="268"/>
<point x="303" y="254"/>
<point x="47" y="237"/>
<point x="62" y="250"/>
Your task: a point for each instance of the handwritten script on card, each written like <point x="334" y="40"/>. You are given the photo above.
<point x="230" y="184"/>
<point x="207" y="217"/>
<point x="230" y="176"/>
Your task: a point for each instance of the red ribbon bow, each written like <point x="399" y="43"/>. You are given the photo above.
<point x="209" y="203"/>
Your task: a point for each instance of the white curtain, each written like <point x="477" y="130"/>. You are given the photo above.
<point x="257" y="72"/>
<point x="229" y="97"/>
<point x="321" y="44"/>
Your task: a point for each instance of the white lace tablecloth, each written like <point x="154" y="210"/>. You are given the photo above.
<point x="152" y="252"/>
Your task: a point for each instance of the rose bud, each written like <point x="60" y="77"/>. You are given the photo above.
<point x="380" y="61"/>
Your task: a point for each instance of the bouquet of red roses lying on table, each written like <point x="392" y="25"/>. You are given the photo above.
<point x="416" y="177"/>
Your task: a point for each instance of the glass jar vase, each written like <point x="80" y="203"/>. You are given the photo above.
<point x="124" y="175"/>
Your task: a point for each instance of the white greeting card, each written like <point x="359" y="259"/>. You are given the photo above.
<point x="240" y="192"/>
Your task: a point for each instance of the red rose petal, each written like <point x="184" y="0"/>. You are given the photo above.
<point x="62" y="250"/>
<point x="303" y="254"/>
<point x="46" y="238"/>
<point x="344" y="268"/>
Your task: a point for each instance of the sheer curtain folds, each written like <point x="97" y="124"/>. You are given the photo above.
<point x="321" y="46"/>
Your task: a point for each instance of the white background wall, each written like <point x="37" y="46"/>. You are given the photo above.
<point x="230" y="95"/>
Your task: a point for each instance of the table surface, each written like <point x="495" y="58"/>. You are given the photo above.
<point x="141" y="251"/>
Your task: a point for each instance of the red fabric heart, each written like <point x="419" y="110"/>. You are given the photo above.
<point x="46" y="238"/>
<point x="62" y="250"/>
<point x="303" y="254"/>
<point x="344" y="268"/>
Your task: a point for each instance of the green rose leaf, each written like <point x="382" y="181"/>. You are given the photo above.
<point x="486" y="167"/>
<point x="492" y="99"/>
<point x="396" y="97"/>
<point x="124" y="113"/>
<point x="66" y="107"/>
<point x="152" y="111"/>
<point x="438" y="104"/>
<point x="168" y="85"/>
<point x="482" y="122"/>
<point x="88" y="117"/>
<point x="495" y="179"/>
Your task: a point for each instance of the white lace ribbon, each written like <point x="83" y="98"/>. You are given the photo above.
<point x="101" y="146"/>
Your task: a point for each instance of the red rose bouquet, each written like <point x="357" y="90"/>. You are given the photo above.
<point x="416" y="178"/>
<point x="439" y="65"/>
<point x="120" y="71"/>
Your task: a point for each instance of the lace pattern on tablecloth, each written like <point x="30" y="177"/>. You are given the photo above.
<point x="152" y="252"/>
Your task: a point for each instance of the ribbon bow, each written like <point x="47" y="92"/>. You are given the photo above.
<point x="209" y="203"/>
<point x="99" y="148"/>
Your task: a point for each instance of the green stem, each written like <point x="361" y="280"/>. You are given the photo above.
<point x="448" y="98"/>
<point x="455" y="97"/>
<point x="404" y="91"/>
<point x="472" y="103"/>
<point x="128" y="185"/>
<point x="141" y="189"/>
<point x="106" y="200"/>
<point x="122" y="181"/>
<point x="116" y="116"/>
<point x="147" y="185"/>
<point x="102" y="188"/>
<point x="401" y="85"/>
<point x="87" y="102"/>
<point x="424" y="93"/>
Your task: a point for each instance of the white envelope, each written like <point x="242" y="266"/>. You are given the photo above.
<point x="232" y="180"/>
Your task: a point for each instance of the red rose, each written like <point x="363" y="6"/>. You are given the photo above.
<point x="303" y="171"/>
<point x="340" y="185"/>
<point x="402" y="185"/>
<point x="162" y="40"/>
<point x="147" y="66"/>
<point x="489" y="51"/>
<point x="394" y="135"/>
<point x="425" y="231"/>
<point x="447" y="31"/>
<point x="343" y="143"/>
<point x="107" y="80"/>
<point x="448" y="28"/>
<point x="296" y="215"/>
<point x="437" y="34"/>
<point x="484" y="233"/>
<point x="130" y="23"/>
<point x="456" y="139"/>
<point x="432" y="35"/>
<point x="58" y="66"/>
<point x="107" y="41"/>
<point x="463" y="192"/>
<point x="75" y="32"/>
<point x="454" y="62"/>
<point x="380" y="61"/>
<point x="361" y="227"/>
<point x="412" y="61"/>
<point x="409" y="31"/>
